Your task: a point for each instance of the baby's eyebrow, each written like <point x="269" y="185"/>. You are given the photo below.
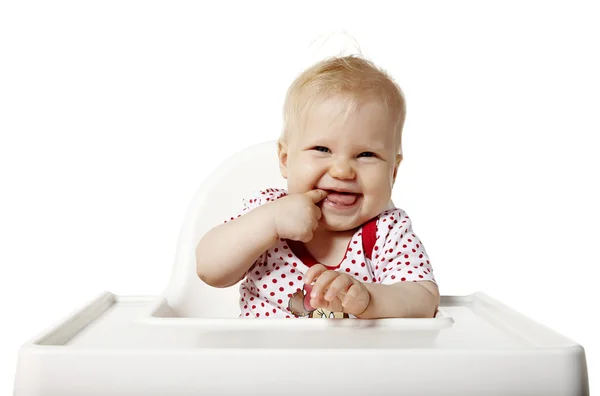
<point x="374" y="148"/>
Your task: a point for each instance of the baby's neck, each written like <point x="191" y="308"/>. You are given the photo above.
<point x="329" y="247"/>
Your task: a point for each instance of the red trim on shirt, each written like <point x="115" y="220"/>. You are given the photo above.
<point x="304" y="255"/>
<point x="369" y="236"/>
<point x="369" y="231"/>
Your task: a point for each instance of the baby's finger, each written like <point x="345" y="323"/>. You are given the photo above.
<point x="322" y="283"/>
<point x="317" y="212"/>
<point x="339" y="286"/>
<point x="356" y="299"/>
<point x="313" y="273"/>
<point x="317" y="195"/>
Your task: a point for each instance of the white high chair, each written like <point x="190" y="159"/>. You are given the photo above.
<point x="190" y="341"/>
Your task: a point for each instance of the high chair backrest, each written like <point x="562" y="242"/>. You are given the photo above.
<point x="218" y="198"/>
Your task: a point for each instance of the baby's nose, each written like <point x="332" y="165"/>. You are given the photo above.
<point x="342" y="170"/>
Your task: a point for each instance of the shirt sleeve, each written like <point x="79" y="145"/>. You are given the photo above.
<point x="399" y="255"/>
<point x="257" y="199"/>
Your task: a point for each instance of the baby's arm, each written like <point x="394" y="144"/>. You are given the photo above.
<point x="226" y="252"/>
<point x="405" y="286"/>
<point x="402" y="300"/>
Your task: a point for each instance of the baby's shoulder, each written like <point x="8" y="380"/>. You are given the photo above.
<point x="392" y="220"/>
<point x="261" y="197"/>
<point x="258" y="198"/>
<point x="395" y="215"/>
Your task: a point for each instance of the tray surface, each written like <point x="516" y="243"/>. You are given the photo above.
<point x="145" y="323"/>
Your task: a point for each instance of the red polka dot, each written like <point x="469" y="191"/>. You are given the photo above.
<point x="264" y="286"/>
<point x="274" y="280"/>
<point x="403" y="279"/>
<point x="362" y="264"/>
<point x="347" y="269"/>
<point x="272" y="294"/>
<point x="365" y="278"/>
<point x="283" y="276"/>
<point x="280" y="301"/>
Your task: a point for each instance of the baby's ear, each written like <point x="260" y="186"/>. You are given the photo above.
<point x="282" y="153"/>
<point x="398" y="161"/>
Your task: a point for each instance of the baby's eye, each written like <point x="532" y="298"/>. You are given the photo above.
<point x="367" y="154"/>
<point x="321" y="149"/>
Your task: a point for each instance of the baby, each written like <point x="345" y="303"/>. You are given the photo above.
<point x="330" y="245"/>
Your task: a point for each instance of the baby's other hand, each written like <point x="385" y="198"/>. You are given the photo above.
<point x="337" y="292"/>
<point x="297" y="216"/>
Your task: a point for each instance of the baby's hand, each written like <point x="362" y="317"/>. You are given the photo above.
<point x="297" y="216"/>
<point x="337" y="292"/>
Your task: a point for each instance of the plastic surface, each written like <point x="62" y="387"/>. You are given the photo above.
<point x="189" y="340"/>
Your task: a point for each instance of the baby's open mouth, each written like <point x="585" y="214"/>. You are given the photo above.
<point x="342" y="198"/>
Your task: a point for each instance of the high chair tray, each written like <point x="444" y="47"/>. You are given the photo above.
<point x="124" y="345"/>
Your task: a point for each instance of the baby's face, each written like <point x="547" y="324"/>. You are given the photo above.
<point x="353" y="158"/>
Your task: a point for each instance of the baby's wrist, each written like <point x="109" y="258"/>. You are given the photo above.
<point x="362" y="315"/>
<point x="269" y="215"/>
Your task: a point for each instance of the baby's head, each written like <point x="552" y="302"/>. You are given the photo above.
<point x="343" y="120"/>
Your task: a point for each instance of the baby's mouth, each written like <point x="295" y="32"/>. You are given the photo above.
<point x="342" y="198"/>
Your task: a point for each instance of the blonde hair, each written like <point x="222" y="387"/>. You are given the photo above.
<point x="351" y="76"/>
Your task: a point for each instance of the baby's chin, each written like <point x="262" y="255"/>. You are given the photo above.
<point x="333" y="223"/>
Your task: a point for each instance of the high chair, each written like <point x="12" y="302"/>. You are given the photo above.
<point x="189" y="340"/>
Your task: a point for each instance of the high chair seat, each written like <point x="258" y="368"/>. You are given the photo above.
<point x="188" y="340"/>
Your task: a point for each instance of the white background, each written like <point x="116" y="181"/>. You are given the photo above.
<point x="112" y="113"/>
